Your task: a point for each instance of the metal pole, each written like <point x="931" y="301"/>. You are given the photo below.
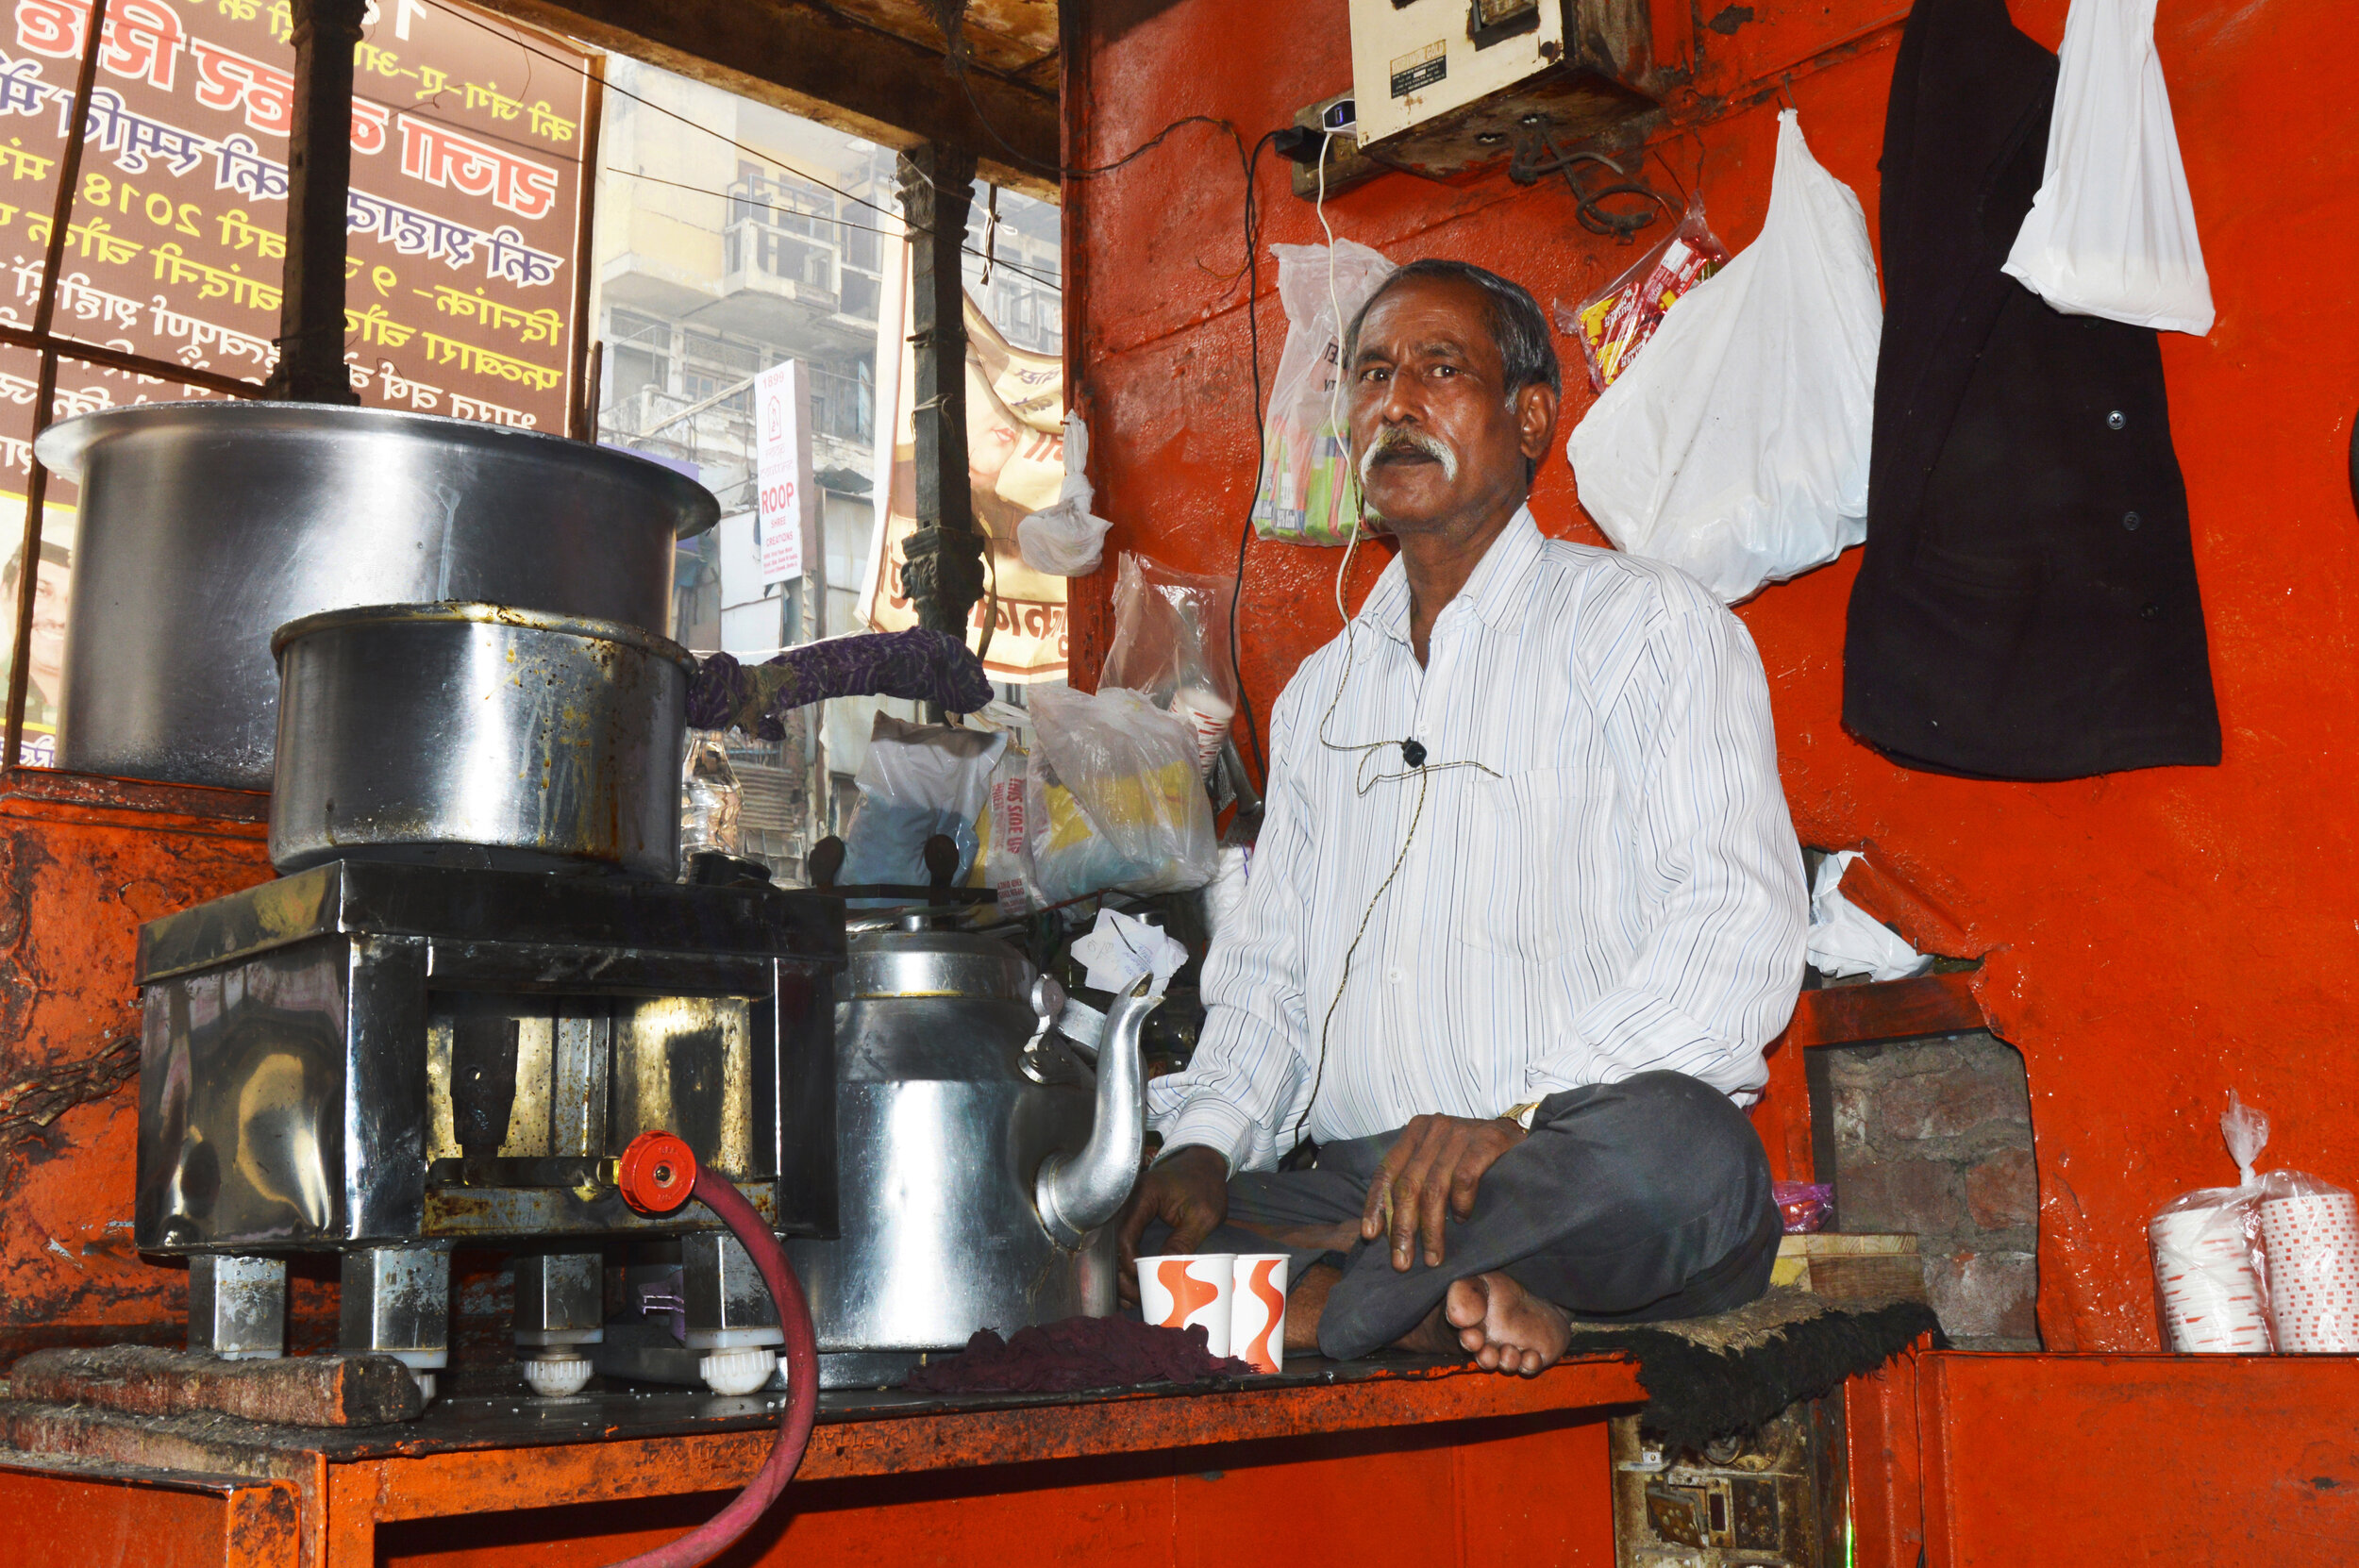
<point x="319" y="185"/>
<point x="585" y="385"/>
<point x="44" y="311"/>
<point x="945" y="552"/>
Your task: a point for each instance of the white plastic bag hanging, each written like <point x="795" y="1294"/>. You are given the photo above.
<point x="1062" y="539"/>
<point x="1305" y="493"/>
<point x="1736" y="447"/>
<point x="2111" y="232"/>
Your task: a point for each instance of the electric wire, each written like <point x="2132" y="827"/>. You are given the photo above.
<point x="1261" y="442"/>
<point x="604" y="86"/>
<point x="769" y="157"/>
<point x="1064" y="173"/>
<point x="1041" y="278"/>
<point x="1356" y="503"/>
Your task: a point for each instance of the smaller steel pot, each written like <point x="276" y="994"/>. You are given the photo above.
<point x="477" y="735"/>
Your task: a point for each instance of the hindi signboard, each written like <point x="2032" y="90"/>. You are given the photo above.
<point x="463" y="214"/>
<point x="1016" y="465"/>
<point x="782" y="480"/>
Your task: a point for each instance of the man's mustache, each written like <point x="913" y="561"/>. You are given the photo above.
<point x="1401" y="439"/>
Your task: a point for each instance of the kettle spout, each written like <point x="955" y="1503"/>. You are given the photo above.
<point x="1078" y="1193"/>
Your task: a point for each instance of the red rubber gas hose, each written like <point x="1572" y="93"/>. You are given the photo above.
<point x="659" y="1174"/>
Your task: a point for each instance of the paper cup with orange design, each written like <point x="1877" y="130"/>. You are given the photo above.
<point x="1188" y="1289"/>
<point x="1256" y="1313"/>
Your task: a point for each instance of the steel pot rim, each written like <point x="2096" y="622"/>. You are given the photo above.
<point x="451" y="612"/>
<point x="65" y="447"/>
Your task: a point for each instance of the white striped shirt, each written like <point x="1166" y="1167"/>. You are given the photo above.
<point x="1617" y="889"/>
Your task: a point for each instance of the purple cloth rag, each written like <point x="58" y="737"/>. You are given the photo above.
<point x="1075" y="1354"/>
<point x="917" y="665"/>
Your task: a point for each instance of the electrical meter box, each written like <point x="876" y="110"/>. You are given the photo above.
<point x="1442" y="87"/>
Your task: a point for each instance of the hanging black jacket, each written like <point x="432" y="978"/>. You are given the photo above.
<point x="2026" y="606"/>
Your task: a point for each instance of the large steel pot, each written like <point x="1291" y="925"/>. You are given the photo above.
<point x="477" y="735"/>
<point x="207" y="525"/>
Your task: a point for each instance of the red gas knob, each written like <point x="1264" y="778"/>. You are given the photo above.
<point x="657" y="1174"/>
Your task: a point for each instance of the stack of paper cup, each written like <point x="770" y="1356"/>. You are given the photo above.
<point x="2211" y="1294"/>
<point x="2311" y="1241"/>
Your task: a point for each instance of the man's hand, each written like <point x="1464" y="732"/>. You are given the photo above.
<point x="1188" y="1191"/>
<point x="1436" y="1163"/>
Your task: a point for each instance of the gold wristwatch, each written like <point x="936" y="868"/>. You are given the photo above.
<point x="1522" y="1114"/>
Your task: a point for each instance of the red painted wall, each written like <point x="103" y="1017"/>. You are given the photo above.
<point x="2153" y="938"/>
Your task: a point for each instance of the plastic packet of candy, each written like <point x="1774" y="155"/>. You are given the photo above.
<point x="1802" y="1205"/>
<point x="1615" y="322"/>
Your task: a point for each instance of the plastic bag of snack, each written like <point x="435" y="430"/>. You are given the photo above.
<point x="1114" y="798"/>
<point x="1801" y="1205"/>
<point x="1306" y="494"/>
<point x="1615" y="322"/>
<point x="919" y="780"/>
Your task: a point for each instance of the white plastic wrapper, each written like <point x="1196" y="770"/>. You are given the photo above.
<point x="1846" y="940"/>
<point x="2310" y="1238"/>
<point x="1063" y="538"/>
<point x="1120" y="948"/>
<point x="2111" y="232"/>
<point x="2209" y="1274"/>
<point x="1003" y="864"/>
<point x="1736" y="447"/>
<point x="938" y="767"/>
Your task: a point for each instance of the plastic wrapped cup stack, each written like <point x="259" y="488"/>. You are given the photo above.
<point x="2311" y="1242"/>
<point x="2212" y="1299"/>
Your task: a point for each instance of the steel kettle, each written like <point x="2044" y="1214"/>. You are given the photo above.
<point x="988" y="1129"/>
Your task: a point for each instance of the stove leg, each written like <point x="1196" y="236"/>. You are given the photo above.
<point x="237" y="1307"/>
<point x="396" y="1302"/>
<point x="729" y="1315"/>
<point x="561" y="1308"/>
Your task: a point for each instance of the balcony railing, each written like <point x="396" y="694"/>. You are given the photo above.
<point x="841" y="405"/>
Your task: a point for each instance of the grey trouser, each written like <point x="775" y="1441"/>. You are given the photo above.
<point x="1632" y="1202"/>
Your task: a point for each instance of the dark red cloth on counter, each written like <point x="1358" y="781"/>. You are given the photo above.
<point x="1075" y="1354"/>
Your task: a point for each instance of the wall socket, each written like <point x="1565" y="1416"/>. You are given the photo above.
<point x="1346" y="166"/>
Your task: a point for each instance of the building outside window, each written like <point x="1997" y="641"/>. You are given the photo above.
<point x="731" y="237"/>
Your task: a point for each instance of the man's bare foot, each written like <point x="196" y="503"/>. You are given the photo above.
<point x="1504" y="1327"/>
